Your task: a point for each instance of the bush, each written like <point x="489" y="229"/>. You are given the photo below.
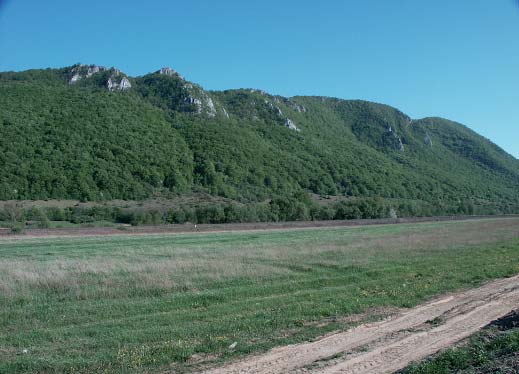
<point x="18" y="228"/>
<point x="38" y="215"/>
<point x="55" y="214"/>
<point x="44" y="223"/>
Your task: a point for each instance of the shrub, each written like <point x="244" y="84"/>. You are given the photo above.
<point x="18" y="228"/>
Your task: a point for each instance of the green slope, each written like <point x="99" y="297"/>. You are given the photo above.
<point x="166" y="136"/>
<point x="58" y="142"/>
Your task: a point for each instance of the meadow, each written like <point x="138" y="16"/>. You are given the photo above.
<point x="175" y="303"/>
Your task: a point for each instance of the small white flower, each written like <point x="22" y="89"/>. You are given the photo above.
<point x="25" y="351"/>
<point x="233" y="345"/>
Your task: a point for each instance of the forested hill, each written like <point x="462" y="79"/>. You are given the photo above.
<point x="93" y="133"/>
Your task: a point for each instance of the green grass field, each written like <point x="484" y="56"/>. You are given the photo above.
<point x="157" y="303"/>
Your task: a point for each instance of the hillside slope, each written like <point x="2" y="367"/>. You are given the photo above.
<point x="92" y="133"/>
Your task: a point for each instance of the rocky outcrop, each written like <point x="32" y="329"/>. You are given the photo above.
<point x="396" y="139"/>
<point x="196" y="102"/>
<point x="298" y="108"/>
<point x="291" y="104"/>
<point x="110" y="84"/>
<point x="117" y="81"/>
<point x="401" y="147"/>
<point x="81" y="71"/>
<point x="291" y="125"/>
<point x="170" y="72"/>
<point x="203" y="104"/>
<point x="211" y="110"/>
<point x="225" y="113"/>
<point x="261" y="92"/>
<point x="427" y="139"/>
<point x="279" y="113"/>
<point x="115" y="84"/>
<point x="167" y="71"/>
<point x="125" y="84"/>
<point x="76" y="77"/>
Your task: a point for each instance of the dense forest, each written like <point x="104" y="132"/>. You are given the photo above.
<point x="88" y="133"/>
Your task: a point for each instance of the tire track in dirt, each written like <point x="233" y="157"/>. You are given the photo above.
<point x="390" y="345"/>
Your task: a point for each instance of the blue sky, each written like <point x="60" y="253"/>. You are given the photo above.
<point x="455" y="59"/>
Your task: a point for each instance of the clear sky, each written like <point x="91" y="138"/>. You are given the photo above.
<point x="457" y="59"/>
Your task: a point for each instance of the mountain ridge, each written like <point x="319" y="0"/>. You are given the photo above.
<point x="108" y="135"/>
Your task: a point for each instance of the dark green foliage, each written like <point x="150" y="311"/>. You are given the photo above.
<point x="15" y="216"/>
<point x="59" y="141"/>
<point x="296" y="207"/>
<point x="18" y="228"/>
<point x="39" y="217"/>
<point x="73" y="143"/>
<point x="165" y="92"/>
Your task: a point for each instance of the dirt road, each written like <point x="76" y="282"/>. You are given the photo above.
<point x="226" y="227"/>
<point x="390" y="345"/>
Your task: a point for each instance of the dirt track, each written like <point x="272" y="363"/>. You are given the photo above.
<point x="226" y="227"/>
<point x="390" y="345"/>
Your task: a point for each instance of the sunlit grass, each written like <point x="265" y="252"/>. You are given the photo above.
<point x="137" y="303"/>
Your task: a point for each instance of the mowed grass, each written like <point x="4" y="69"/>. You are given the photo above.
<point x="174" y="303"/>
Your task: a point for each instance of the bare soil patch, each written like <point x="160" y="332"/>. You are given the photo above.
<point x="392" y="344"/>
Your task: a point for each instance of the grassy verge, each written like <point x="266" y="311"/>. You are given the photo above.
<point x="151" y="303"/>
<point x="493" y="350"/>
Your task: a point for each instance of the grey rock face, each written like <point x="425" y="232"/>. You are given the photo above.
<point x="211" y="110"/>
<point x="167" y="71"/>
<point x="299" y="108"/>
<point x="427" y="139"/>
<point x="170" y="72"/>
<point x="261" y="92"/>
<point x="123" y="85"/>
<point x="114" y="82"/>
<point x="277" y="110"/>
<point x="204" y="104"/>
<point x="76" y="77"/>
<point x="291" y="125"/>
<point x="398" y="141"/>
<point x="94" y="69"/>
<point x="84" y="71"/>
<point x="110" y="85"/>
<point x="279" y="113"/>
<point x="196" y="102"/>
<point x="401" y="147"/>
<point x="225" y="112"/>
